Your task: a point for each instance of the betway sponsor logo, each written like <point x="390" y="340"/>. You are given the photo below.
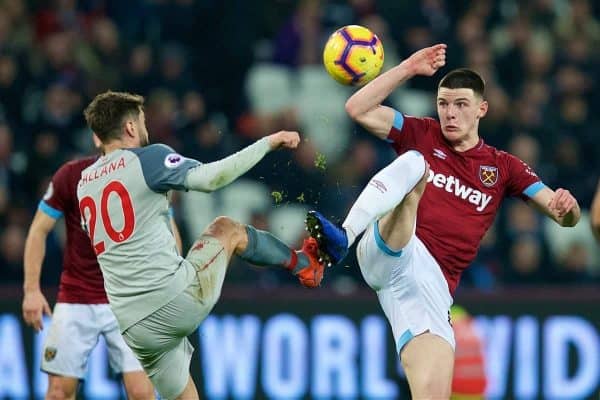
<point x="452" y="185"/>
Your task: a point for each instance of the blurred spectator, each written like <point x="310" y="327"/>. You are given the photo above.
<point x="12" y="244"/>
<point x="595" y="213"/>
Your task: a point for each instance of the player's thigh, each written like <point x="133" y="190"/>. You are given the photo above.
<point x="397" y="226"/>
<point x="160" y="343"/>
<point x="210" y="262"/>
<point x="428" y="361"/>
<point x="190" y="392"/>
<point x="72" y="335"/>
<point x="378" y="261"/>
<point x="120" y="356"/>
<point x="411" y="288"/>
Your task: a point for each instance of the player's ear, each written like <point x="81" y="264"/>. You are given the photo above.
<point x="483" y="109"/>
<point x="130" y="129"/>
<point x="97" y="141"/>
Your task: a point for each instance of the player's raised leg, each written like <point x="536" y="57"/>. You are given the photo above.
<point x="263" y="249"/>
<point x="427" y="359"/>
<point x="384" y="192"/>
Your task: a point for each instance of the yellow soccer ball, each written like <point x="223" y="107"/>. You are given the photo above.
<point x="353" y="55"/>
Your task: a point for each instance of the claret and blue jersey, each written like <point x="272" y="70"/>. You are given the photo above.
<point x="464" y="193"/>
<point x="81" y="280"/>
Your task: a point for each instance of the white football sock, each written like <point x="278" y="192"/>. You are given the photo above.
<point x="384" y="191"/>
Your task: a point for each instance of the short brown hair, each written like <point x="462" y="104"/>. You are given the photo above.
<point x="106" y="113"/>
<point x="464" y="78"/>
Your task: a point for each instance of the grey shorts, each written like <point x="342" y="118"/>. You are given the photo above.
<point x="160" y="340"/>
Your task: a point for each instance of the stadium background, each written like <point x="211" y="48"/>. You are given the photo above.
<point x="219" y="74"/>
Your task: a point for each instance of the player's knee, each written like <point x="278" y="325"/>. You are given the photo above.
<point x="230" y="232"/>
<point x="223" y="222"/>
<point x="432" y="387"/>
<point x="223" y="226"/>
<point x="419" y="188"/>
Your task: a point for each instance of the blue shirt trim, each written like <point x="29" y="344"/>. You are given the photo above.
<point x="171" y="212"/>
<point x="404" y="338"/>
<point x="381" y="243"/>
<point x="49" y="210"/>
<point x="398" y="120"/>
<point x="533" y="189"/>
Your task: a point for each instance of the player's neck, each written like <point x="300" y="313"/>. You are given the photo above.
<point x="465" y="144"/>
<point x="115" y="145"/>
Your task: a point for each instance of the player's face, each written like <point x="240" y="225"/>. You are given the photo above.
<point x="143" y="132"/>
<point x="459" y="111"/>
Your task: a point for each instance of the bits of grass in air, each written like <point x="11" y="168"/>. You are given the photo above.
<point x="277" y="196"/>
<point x="300" y="198"/>
<point x="320" y="161"/>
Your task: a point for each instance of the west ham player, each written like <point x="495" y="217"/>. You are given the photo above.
<point x="81" y="314"/>
<point x="419" y="238"/>
<point x="158" y="296"/>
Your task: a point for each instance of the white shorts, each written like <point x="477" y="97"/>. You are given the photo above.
<point x="411" y="288"/>
<point x="74" y="333"/>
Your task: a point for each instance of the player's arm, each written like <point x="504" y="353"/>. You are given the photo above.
<point x="595" y="214"/>
<point x="560" y="205"/>
<point x="365" y="106"/>
<point x="34" y="302"/>
<point x="212" y="176"/>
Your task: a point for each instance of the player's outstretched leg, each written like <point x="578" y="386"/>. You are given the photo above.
<point x="331" y="239"/>
<point x="261" y="248"/>
<point x="384" y="192"/>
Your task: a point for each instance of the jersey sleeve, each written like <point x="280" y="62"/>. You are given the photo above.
<point x="163" y="168"/>
<point x="406" y="130"/>
<point x="522" y="182"/>
<point x="56" y="199"/>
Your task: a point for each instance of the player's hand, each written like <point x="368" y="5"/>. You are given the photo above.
<point x="284" y="139"/>
<point x="428" y="60"/>
<point x="562" y="202"/>
<point x="34" y="306"/>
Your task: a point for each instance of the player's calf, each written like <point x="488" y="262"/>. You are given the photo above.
<point x="261" y="248"/>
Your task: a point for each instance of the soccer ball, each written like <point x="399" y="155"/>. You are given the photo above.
<point x="353" y="55"/>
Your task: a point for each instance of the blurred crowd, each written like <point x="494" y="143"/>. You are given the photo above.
<point x="217" y="75"/>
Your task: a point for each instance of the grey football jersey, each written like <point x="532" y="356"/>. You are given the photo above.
<point x="123" y="198"/>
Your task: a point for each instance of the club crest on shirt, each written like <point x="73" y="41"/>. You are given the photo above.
<point x="173" y="160"/>
<point x="488" y="175"/>
<point x="49" y="192"/>
<point x="49" y="353"/>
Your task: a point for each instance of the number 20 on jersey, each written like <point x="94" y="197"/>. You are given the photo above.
<point x="89" y="212"/>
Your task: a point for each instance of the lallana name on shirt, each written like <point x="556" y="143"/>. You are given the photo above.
<point x="91" y="175"/>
